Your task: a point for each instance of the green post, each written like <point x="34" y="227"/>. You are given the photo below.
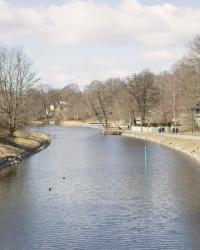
<point x="145" y="163"/>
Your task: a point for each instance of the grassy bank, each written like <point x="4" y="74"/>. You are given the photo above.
<point x="60" y="123"/>
<point x="189" y="145"/>
<point x="20" y="146"/>
<point x="74" y="123"/>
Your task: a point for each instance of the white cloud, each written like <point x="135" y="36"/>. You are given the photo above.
<point x="161" y="55"/>
<point x="80" y="21"/>
<point x="155" y="30"/>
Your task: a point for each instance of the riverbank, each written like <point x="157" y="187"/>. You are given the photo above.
<point x="21" y="146"/>
<point x="74" y="124"/>
<point x="64" y="123"/>
<point x="189" y="145"/>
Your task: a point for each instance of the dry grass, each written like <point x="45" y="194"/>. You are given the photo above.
<point x="6" y="150"/>
<point x="73" y="123"/>
<point x="19" y="143"/>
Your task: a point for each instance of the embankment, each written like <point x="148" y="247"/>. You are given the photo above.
<point x="189" y="145"/>
<point x="74" y="124"/>
<point x="21" y="146"/>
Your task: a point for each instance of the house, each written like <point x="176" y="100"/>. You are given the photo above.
<point x="58" y="109"/>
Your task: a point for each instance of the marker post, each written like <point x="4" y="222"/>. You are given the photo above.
<point x="145" y="164"/>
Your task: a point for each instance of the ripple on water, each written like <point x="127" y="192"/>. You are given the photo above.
<point x="103" y="203"/>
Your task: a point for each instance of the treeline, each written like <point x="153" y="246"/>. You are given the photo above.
<point x="165" y="98"/>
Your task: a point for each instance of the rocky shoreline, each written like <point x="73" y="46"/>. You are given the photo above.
<point x="188" y="146"/>
<point x="13" y="160"/>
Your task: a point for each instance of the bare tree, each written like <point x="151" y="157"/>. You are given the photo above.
<point x="145" y="94"/>
<point x="72" y="95"/>
<point x="114" y="86"/>
<point x="187" y="79"/>
<point x="99" y="100"/>
<point x="45" y="95"/>
<point x="16" y="77"/>
<point x="194" y="55"/>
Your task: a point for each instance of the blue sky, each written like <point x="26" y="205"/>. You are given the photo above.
<point x="81" y="40"/>
<point x="191" y="3"/>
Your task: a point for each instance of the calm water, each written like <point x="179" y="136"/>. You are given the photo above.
<point x="103" y="203"/>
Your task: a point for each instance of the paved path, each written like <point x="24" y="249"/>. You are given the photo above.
<point x="181" y="136"/>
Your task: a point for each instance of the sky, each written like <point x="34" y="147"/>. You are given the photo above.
<point x="78" y="41"/>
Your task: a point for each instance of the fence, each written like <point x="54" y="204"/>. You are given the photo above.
<point x="148" y="129"/>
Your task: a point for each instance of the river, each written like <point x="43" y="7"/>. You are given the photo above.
<point x="98" y="197"/>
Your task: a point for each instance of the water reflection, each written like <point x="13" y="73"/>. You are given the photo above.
<point x="103" y="203"/>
